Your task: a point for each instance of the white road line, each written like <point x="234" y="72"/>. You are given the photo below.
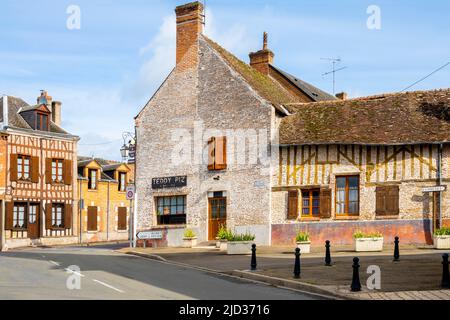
<point x="108" y="286"/>
<point x="54" y="262"/>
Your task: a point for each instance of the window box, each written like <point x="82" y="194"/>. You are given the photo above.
<point x="442" y="242"/>
<point x="368" y="244"/>
<point x="304" y="246"/>
<point x="239" y="247"/>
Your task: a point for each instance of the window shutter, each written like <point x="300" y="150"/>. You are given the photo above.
<point x="48" y="216"/>
<point x="380" y="201"/>
<point x="211" y="153"/>
<point x="292" y="205"/>
<point x="9" y="215"/>
<point x="35" y="169"/>
<point x="122" y="218"/>
<point x="68" y="212"/>
<point x="67" y="172"/>
<point x="325" y="203"/>
<point x="220" y="153"/>
<point x="13" y="167"/>
<point x="92" y="219"/>
<point x="392" y="201"/>
<point x="48" y="170"/>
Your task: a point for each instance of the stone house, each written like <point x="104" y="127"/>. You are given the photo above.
<point x="104" y="209"/>
<point x="252" y="147"/>
<point x="37" y="161"/>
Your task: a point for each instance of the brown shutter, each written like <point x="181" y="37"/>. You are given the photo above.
<point x="92" y="219"/>
<point x="292" y="205"/>
<point x="211" y="153"/>
<point x="13" y="167"/>
<point x="392" y="199"/>
<point x="122" y="218"/>
<point x="380" y="201"/>
<point x="35" y="169"/>
<point x="9" y="206"/>
<point x="48" y="216"/>
<point x="68" y="212"/>
<point x="220" y="153"/>
<point x="48" y="170"/>
<point x="67" y="172"/>
<point x="325" y="203"/>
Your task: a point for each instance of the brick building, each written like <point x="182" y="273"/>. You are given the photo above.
<point x="260" y="150"/>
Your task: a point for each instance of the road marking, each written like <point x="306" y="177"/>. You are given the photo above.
<point x="54" y="262"/>
<point x="108" y="286"/>
<point x="74" y="272"/>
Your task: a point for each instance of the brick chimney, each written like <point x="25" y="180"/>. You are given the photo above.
<point x="260" y="60"/>
<point x="190" y="20"/>
<point x="342" y="95"/>
<point x="56" y="112"/>
<point x="44" y="98"/>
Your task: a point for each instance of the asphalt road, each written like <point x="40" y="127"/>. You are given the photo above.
<point x="101" y="273"/>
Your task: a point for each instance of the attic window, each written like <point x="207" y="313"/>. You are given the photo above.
<point x="314" y="94"/>
<point x="42" y="121"/>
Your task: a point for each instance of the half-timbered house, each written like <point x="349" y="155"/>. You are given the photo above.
<point x="38" y="164"/>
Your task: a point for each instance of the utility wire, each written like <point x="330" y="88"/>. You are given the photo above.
<point x="426" y="77"/>
<point x="97" y="144"/>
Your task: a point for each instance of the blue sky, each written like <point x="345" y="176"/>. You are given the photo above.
<point x="106" y="71"/>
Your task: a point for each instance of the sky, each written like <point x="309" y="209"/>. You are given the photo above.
<point x="106" y="70"/>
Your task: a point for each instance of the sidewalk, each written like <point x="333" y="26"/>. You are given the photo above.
<point x="417" y="276"/>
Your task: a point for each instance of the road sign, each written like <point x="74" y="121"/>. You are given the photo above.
<point x="130" y="192"/>
<point x="144" y="235"/>
<point x="435" y="189"/>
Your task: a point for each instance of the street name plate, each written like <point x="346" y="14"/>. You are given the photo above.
<point x="145" y="235"/>
<point x="435" y="189"/>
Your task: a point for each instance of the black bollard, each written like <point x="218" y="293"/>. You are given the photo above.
<point x="396" y="250"/>
<point x="327" y="253"/>
<point x="445" y="272"/>
<point x="356" y="284"/>
<point x="297" y="264"/>
<point x="253" y="262"/>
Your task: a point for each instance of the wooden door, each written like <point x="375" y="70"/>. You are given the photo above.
<point x="217" y="215"/>
<point x="33" y="225"/>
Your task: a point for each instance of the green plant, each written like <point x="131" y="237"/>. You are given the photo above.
<point x="302" y="237"/>
<point x="189" y="234"/>
<point x="359" y="234"/>
<point x="442" y="232"/>
<point x="241" y="237"/>
<point x="223" y="233"/>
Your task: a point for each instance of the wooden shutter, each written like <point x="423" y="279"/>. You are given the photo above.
<point x="68" y="212"/>
<point x="211" y="153"/>
<point x="220" y="156"/>
<point x="325" y="203"/>
<point x="48" y="170"/>
<point x="9" y="206"/>
<point x="122" y="218"/>
<point x="292" y="205"/>
<point x="67" y="172"/>
<point x="13" y="167"/>
<point x="92" y="219"/>
<point x="380" y="201"/>
<point x="392" y="199"/>
<point x="48" y="216"/>
<point x="35" y="169"/>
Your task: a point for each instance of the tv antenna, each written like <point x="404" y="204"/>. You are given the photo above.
<point x="204" y="14"/>
<point x="334" y="61"/>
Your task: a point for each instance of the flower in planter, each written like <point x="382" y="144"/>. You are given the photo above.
<point x="442" y="232"/>
<point x="240" y="237"/>
<point x="359" y="235"/>
<point x="223" y="233"/>
<point x="302" y="237"/>
<point x="189" y="234"/>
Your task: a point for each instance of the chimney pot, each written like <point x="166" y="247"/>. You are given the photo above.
<point x="263" y="58"/>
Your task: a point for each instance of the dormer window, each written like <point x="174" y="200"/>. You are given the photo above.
<point x="41" y="121"/>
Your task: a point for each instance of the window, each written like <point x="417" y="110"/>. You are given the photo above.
<point x="171" y="210"/>
<point x="57" y="170"/>
<point x="122" y="181"/>
<point x="19" y="213"/>
<point x="217" y="153"/>
<point x="347" y="195"/>
<point x="42" y="121"/>
<point x="292" y="205"/>
<point x="311" y="203"/>
<point x="32" y="213"/>
<point x="387" y="201"/>
<point x="122" y="218"/>
<point x="23" y="167"/>
<point x="92" y="177"/>
<point x="57" y="215"/>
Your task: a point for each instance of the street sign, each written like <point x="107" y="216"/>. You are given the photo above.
<point x="435" y="189"/>
<point x="144" y="235"/>
<point x="130" y="192"/>
<point x="169" y="182"/>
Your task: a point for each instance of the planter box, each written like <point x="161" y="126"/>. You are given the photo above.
<point x="239" y="247"/>
<point x="368" y="244"/>
<point x="304" y="246"/>
<point x="222" y="245"/>
<point x="189" y="242"/>
<point x="441" y="242"/>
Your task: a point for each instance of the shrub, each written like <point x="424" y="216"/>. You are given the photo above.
<point x="302" y="237"/>
<point x="359" y="234"/>
<point x="241" y="237"/>
<point x="189" y="234"/>
<point x="223" y="233"/>
<point x="442" y="232"/>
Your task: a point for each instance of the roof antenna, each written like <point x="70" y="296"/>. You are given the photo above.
<point x="204" y="14"/>
<point x="334" y="61"/>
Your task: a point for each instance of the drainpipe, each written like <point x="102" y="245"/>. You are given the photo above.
<point x="2" y="214"/>
<point x="107" y="214"/>
<point x="80" y="209"/>
<point x="439" y="180"/>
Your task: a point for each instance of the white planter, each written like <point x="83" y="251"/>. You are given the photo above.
<point x="239" y="247"/>
<point x="368" y="244"/>
<point x="304" y="246"/>
<point x="442" y="242"/>
<point x="223" y="245"/>
<point x="189" y="242"/>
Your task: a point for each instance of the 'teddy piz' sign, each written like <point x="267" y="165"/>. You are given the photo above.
<point x="169" y="182"/>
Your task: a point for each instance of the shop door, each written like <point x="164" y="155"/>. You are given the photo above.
<point x="33" y="221"/>
<point x="217" y="216"/>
